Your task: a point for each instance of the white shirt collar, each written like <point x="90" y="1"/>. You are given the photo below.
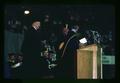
<point x="34" y="27"/>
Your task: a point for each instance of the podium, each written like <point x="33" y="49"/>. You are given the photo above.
<point x="89" y="62"/>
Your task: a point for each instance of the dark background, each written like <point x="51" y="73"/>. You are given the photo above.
<point x="100" y="18"/>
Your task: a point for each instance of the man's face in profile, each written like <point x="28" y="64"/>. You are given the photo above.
<point x="65" y="31"/>
<point x="36" y="25"/>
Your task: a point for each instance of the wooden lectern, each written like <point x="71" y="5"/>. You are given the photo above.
<point x="89" y="62"/>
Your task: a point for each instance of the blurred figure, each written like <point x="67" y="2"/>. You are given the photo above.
<point x="34" y="66"/>
<point x="61" y="40"/>
<point x="67" y="52"/>
<point x="15" y="62"/>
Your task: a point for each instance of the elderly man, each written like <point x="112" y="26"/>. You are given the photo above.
<point x="34" y="66"/>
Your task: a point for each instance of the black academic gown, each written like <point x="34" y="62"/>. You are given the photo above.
<point x="66" y="64"/>
<point x="34" y="66"/>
